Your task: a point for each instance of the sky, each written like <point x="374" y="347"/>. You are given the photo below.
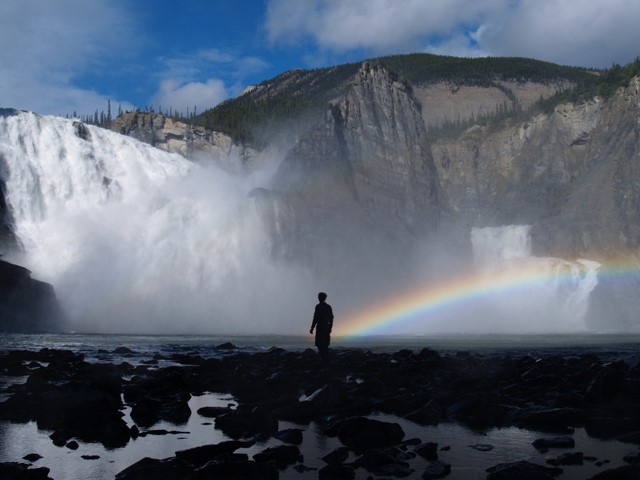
<point x="64" y="56"/>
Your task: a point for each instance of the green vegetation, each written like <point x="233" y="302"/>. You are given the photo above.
<point x="603" y="84"/>
<point x="297" y="97"/>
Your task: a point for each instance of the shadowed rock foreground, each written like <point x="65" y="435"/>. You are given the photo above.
<point x="80" y="401"/>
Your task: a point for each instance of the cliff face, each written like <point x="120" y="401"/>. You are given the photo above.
<point x="26" y="305"/>
<point x="190" y="141"/>
<point x="572" y="174"/>
<point x="364" y="170"/>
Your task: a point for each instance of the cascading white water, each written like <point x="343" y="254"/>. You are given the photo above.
<point x="135" y="239"/>
<point x="556" y="300"/>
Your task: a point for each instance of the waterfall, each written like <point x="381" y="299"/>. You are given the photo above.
<point x="553" y="296"/>
<point x="136" y="239"/>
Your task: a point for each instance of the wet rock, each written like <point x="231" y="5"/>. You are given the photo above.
<point x="429" y="414"/>
<point x="226" y="346"/>
<point x="173" y="408"/>
<point x="32" y="457"/>
<point x="282" y="456"/>
<point x="337" y="472"/>
<point x="572" y="458"/>
<point x="633" y="458"/>
<point x="291" y="435"/>
<point x="199" y="456"/>
<point x="437" y="469"/>
<point x="626" y="472"/>
<point x="90" y="457"/>
<point x="21" y="471"/>
<point x="522" y="470"/>
<point x="384" y="463"/>
<point x="167" y="469"/>
<point x="545" y="419"/>
<point x="611" y="427"/>
<point x="428" y="450"/>
<point x="361" y="433"/>
<point x="212" y="412"/>
<point x="235" y="467"/>
<point x="339" y="455"/>
<point x="243" y="423"/>
<point x="555" y="442"/>
<point x="72" y="445"/>
<point x="630" y="438"/>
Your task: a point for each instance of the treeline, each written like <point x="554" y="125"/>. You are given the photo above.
<point x="293" y="96"/>
<point x="104" y="119"/>
<point x="421" y="68"/>
<point x="286" y="101"/>
<point x="603" y="84"/>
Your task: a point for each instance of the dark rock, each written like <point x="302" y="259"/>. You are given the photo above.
<point x="282" y="455"/>
<point x="556" y="442"/>
<point x="90" y="457"/>
<point x="572" y="458"/>
<point x="429" y="414"/>
<point x="26" y="305"/>
<point x="436" y="469"/>
<point x="361" y="433"/>
<point x="626" y="472"/>
<point x="633" y="458"/>
<point x="240" y="423"/>
<point x="167" y="469"/>
<point x="545" y="419"/>
<point x="226" y="346"/>
<point x="149" y="410"/>
<point x="212" y="412"/>
<point x="72" y="445"/>
<point x="32" y="457"/>
<point x="235" y="467"/>
<point x="384" y="463"/>
<point x="633" y="437"/>
<point x="336" y="471"/>
<point x="522" y="470"/>
<point x="199" y="456"/>
<point x="339" y="455"/>
<point x="21" y="471"/>
<point x="291" y="435"/>
<point x="123" y="351"/>
<point x="428" y="450"/>
<point x="611" y="427"/>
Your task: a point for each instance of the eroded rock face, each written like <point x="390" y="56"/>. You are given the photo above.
<point x="190" y="141"/>
<point x="365" y="170"/>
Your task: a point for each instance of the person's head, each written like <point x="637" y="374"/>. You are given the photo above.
<point x="322" y="296"/>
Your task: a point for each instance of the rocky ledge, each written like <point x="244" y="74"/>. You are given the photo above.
<point x="82" y="401"/>
<point x="27" y="305"/>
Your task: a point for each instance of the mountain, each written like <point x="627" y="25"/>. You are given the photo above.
<point x="370" y="178"/>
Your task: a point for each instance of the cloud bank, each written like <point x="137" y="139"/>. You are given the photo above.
<point x="591" y="33"/>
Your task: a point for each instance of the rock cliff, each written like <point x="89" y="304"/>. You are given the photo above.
<point x="364" y="169"/>
<point x="191" y="141"/>
<point x="26" y="304"/>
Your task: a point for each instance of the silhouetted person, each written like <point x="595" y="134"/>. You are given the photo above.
<point x="323" y="323"/>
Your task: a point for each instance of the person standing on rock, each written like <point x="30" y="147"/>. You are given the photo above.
<point x="323" y="323"/>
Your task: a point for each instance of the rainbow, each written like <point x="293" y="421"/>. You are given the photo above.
<point x="417" y="307"/>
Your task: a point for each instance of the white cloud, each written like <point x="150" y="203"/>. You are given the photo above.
<point x="45" y="43"/>
<point x="183" y="97"/>
<point x="575" y="32"/>
<point x="578" y="32"/>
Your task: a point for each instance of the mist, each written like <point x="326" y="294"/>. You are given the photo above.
<point x="137" y="240"/>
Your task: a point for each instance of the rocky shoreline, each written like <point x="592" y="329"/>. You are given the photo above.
<point x="81" y="401"/>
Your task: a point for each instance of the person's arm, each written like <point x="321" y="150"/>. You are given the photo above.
<point x="330" y="318"/>
<point x="315" y="319"/>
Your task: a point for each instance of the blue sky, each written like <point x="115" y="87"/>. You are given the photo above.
<point x="64" y="56"/>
